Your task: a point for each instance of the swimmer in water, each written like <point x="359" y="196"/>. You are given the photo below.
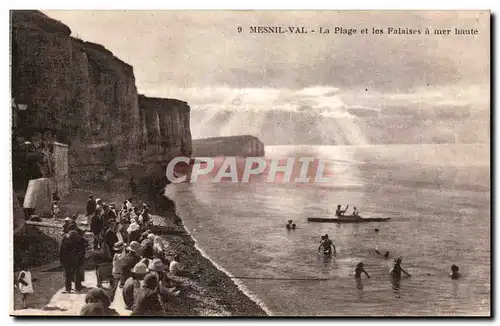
<point x="327" y="245"/>
<point x="293" y="226"/>
<point x="376" y="242"/>
<point x="454" y="272"/>
<point x="386" y="255"/>
<point x="289" y="225"/>
<point x="397" y="269"/>
<point x="359" y="269"/>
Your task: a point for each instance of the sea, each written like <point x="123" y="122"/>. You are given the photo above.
<point x="438" y="199"/>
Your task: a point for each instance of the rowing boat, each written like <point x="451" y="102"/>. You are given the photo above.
<point x="348" y="219"/>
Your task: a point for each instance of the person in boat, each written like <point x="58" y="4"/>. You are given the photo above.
<point x="289" y="225"/>
<point x="327" y="245"/>
<point x="355" y="212"/>
<point x="455" y="274"/>
<point x="359" y="269"/>
<point x="339" y="212"/>
<point x="397" y="269"/>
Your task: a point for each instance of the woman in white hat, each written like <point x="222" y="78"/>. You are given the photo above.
<point x="134" y="231"/>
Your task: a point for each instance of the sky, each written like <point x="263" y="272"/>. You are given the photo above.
<point x="200" y="57"/>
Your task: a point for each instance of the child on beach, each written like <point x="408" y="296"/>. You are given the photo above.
<point x="25" y="284"/>
<point x="56" y="211"/>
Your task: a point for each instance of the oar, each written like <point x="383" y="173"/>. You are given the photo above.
<point x="345" y="210"/>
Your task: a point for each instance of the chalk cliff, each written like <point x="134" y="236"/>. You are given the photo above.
<point x="244" y="145"/>
<point x="87" y="97"/>
<point x="165" y="134"/>
<point x="165" y="128"/>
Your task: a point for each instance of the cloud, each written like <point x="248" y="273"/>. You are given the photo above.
<point x="332" y="101"/>
<point x="199" y="49"/>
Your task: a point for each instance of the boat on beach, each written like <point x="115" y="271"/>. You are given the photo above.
<point x="347" y="219"/>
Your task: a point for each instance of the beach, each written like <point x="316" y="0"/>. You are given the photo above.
<point x="208" y="291"/>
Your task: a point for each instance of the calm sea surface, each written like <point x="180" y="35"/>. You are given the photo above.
<point x="438" y="197"/>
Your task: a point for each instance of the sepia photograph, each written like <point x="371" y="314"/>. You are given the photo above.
<point x="250" y="163"/>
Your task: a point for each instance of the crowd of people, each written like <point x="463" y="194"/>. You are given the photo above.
<point x="127" y="257"/>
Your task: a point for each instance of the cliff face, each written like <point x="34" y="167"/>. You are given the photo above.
<point x="86" y="96"/>
<point x="76" y="89"/>
<point x="244" y="145"/>
<point x="165" y="132"/>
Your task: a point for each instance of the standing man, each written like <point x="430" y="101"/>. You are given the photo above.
<point x="91" y="205"/>
<point x="72" y="255"/>
<point x="96" y="226"/>
<point x="327" y="245"/>
<point x="110" y="238"/>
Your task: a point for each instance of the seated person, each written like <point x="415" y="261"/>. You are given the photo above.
<point x="132" y="284"/>
<point x="339" y="212"/>
<point x="146" y="301"/>
<point x="175" y="268"/>
<point x="97" y="303"/>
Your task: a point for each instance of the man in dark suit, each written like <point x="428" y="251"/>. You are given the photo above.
<point x="91" y="205"/>
<point x="72" y="256"/>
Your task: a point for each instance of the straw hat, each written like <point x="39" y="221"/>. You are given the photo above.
<point x="146" y="242"/>
<point x="156" y="265"/>
<point x="97" y="295"/>
<point x="119" y="245"/>
<point x="133" y="227"/>
<point x="67" y="219"/>
<point x="135" y="247"/>
<point x="140" y="268"/>
<point x="151" y="236"/>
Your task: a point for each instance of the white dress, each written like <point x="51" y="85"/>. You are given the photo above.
<point x="174" y="267"/>
<point x="27" y="278"/>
